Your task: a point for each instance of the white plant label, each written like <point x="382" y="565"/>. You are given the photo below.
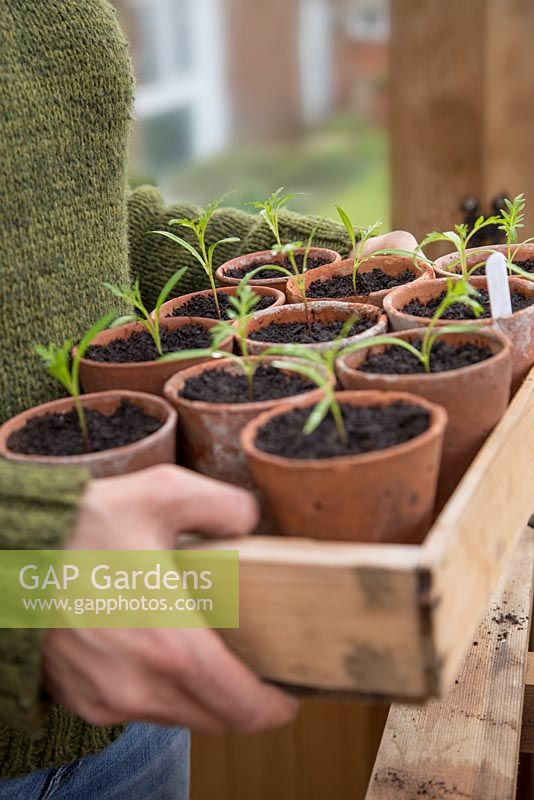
<point x="498" y="286"/>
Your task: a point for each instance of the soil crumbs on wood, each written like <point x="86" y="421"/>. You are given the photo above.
<point x="368" y="428"/>
<point x="140" y="346"/>
<point x="366" y="282"/>
<point x="444" y="357"/>
<point x="60" y="434"/>
<point x="221" y="386"/>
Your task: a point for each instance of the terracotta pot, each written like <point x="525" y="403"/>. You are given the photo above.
<point x="386" y="496"/>
<point x="474" y="397"/>
<point x="158" y="448"/>
<point x="392" y="265"/>
<point x="263" y="291"/>
<point x="443" y="266"/>
<point x="519" y="328"/>
<point x="209" y="432"/>
<point x="320" y="312"/>
<point x="269" y="257"/>
<point x="141" y="376"/>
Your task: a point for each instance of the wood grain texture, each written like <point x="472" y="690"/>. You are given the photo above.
<point x="527" y="730"/>
<point x="336" y="618"/>
<point x="329" y="751"/>
<point x="477" y="531"/>
<point x="461" y="107"/>
<point x="467" y="745"/>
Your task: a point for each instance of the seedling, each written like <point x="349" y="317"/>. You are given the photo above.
<point x="243" y="305"/>
<point x="512" y="219"/>
<point x="299" y="275"/>
<point x="316" y="364"/>
<point x="358" y="242"/>
<point x="320" y="368"/>
<point x="460" y="238"/>
<point x="133" y="297"/>
<point x="315" y="371"/>
<point x="203" y="253"/>
<point x="458" y="292"/>
<point x="270" y="210"/>
<point x="59" y="365"/>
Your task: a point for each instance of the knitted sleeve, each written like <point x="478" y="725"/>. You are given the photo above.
<point x="154" y="259"/>
<point x="38" y="509"/>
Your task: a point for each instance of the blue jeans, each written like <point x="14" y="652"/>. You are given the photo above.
<point x="146" y="763"/>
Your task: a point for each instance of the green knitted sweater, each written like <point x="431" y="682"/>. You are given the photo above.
<point x="67" y="224"/>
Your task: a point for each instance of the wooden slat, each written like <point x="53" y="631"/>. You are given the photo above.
<point x="476" y="532"/>
<point x="334" y="617"/>
<point x="312" y="759"/>
<point x="467" y="745"/>
<point x="451" y="102"/>
<point x="527" y="730"/>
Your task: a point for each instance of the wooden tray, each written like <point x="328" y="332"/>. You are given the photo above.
<point x="387" y="620"/>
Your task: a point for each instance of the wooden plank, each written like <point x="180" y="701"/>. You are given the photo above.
<point x="476" y="533"/>
<point x="336" y="616"/>
<point x="507" y="149"/>
<point x="436" y="110"/>
<point x="466" y="746"/>
<point x="452" y="103"/>
<point x="311" y="759"/>
<point x="527" y="729"/>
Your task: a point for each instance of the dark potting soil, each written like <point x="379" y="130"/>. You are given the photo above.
<point x="312" y="263"/>
<point x="60" y="434"/>
<point x="444" y="357"/>
<point x="298" y="332"/>
<point x="458" y="311"/>
<point x="368" y="429"/>
<point x="140" y="345"/>
<point x="527" y="264"/>
<point x="220" y="386"/>
<point x="366" y="282"/>
<point x="204" y="306"/>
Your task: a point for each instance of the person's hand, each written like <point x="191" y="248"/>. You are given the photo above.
<point x="396" y="240"/>
<point x="170" y="677"/>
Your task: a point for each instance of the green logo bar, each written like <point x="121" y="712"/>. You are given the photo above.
<point x="119" y="589"/>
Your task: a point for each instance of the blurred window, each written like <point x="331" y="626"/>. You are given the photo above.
<point x="180" y="97"/>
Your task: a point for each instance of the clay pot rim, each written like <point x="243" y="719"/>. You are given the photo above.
<point x="367" y="266"/>
<point x="502" y="349"/>
<point x="366" y="310"/>
<point x="170" y="389"/>
<point x="133" y="327"/>
<point x="266" y="291"/>
<point x="442" y="262"/>
<point x="438" y="423"/>
<point x="65" y="404"/>
<point x="517" y="284"/>
<point x="282" y="280"/>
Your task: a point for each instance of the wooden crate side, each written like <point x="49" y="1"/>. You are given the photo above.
<point x="476" y="533"/>
<point x="331" y="616"/>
